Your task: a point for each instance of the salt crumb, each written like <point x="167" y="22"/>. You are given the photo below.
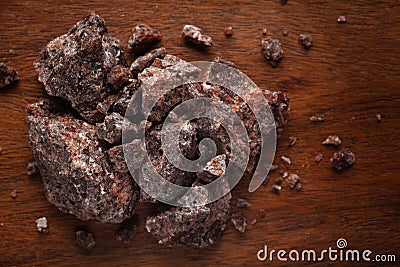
<point x="332" y="140"/>
<point x="13" y="193"/>
<point x="276" y="189"/>
<point x="278" y="181"/>
<point x="299" y="186"/>
<point x="31" y="168"/>
<point x="292" y="141"/>
<point x="264" y="31"/>
<point x="318" y="157"/>
<point x="239" y="221"/>
<point x="228" y="31"/>
<point x="262" y="213"/>
<point x="317" y="118"/>
<point x="341" y="19"/>
<point x="41" y="225"/>
<point x="286" y="160"/>
<point x="292" y="180"/>
<point x="285" y="32"/>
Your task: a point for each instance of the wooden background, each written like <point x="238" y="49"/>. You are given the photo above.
<point x="351" y="74"/>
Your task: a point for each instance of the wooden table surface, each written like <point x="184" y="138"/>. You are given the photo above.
<point x="351" y="74"/>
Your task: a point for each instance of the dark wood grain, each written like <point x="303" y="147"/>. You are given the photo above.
<point x="351" y="74"/>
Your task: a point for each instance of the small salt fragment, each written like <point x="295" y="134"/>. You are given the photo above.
<point x="85" y="239"/>
<point x="278" y="181"/>
<point x="192" y="34"/>
<point x="242" y="203"/>
<point x="143" y="37"/>
<point x="253" y="222"/>
<point x="342" y="159"/>
<point x="305" y="40"/>
<point x="127" y="96"/>
<point x="285" y="174"/>
<point x="276" y="189"/>
<point x="117" y="154"/>
<point x="31" y="168"/>
<point x="317" y="118"/>
<point x="272" y="50"/>
<point x="13" y="193"/>
<point x="264" y="31"/>
<point x="41" y="225"/>
<point x="196" y="227"/>
<point x="228" y="31"/>
<point x="7" y="75"/>
<point x="1" y="224"/>
<point x="292" y="141"/>
<point x="286" y="160"/>
<point x="292" y="180"/>
<point x="239" y="222"/>
<point x="285" y="32"/>
<point x="378" y="117"/>
<point x="119" y="76"/>
<point x="299" y="186"/>
<point x="262" y="213"/>
<point x="333" y="140"/>
<point x="341" y="19"/>
<point x="318" y="157"/>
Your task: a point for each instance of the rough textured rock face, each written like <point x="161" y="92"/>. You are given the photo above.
<point x="196" y="227"/>
<point x="146" y="60"/>
<point x="77" y="176"/>
<point x="125" y="96"/>
<point x="7" y="75"/>
<point x="75" y="66"/>
<point x="111" y="128"/>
